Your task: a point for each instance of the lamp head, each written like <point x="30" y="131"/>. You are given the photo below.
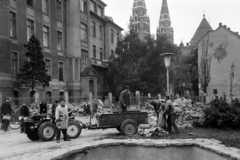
<point x="167" y="58"/>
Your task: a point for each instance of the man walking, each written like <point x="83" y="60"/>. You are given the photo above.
<point x="125" y="99"/>
<point x="62" y="121"/>
<point x="6" y="111"/>
<point x="170" y="112"/>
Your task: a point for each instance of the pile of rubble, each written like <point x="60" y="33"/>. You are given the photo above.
<point x="186" y="115"/>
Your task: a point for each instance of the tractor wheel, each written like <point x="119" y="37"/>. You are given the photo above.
<point x="74" y="129"/>
<point x="129" y="127"/>
<point x="47" y="131"/>
<point x="33" y="135"/>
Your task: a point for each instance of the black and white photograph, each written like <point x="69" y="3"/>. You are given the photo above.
<point x="119" y="80"/>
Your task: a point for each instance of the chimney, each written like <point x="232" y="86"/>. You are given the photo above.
<point x="224" y="26"/>
<point x="229" y="28"/>
<point x="236" y="33"/>
<point x="220" y="24"/>
<point x="187" y="44"/>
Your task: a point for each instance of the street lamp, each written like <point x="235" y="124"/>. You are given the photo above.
<point x="167" y="60"/>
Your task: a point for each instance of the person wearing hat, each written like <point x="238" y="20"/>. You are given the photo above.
<point x="62" y="119"/>
<point x="124" y="99"/>
<point x="6" y="112"/>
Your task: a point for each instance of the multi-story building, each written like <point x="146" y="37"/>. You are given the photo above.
<point x="165" y="27"/>
<point x="139" y="21"/>
<point x="218" y="63"/>
<point x="77" y="40"/>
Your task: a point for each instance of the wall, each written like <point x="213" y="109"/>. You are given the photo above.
<point x="223" y="48"/>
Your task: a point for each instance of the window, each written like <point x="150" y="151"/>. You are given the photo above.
<point x="48" y="65"/>
<point x="99" y="11"/>
<point x="94" y="51"/>
<point x="59" y="11"/>
<point x="84" y="32"/>
<point x="100" y="32"/>
<point x="30" y="29"/>
<point x="59" y="41"/>
<point x="76" y="69"/>
<point x="112" y="36"/>
<point x="117" y="37"/>
<point x="30" y="3"/>
<point x="92" y="6"/>
<point x="60" y="71"/>
<point x="45" y="6"/>
<point x="45" y="36"/>
<point x="13" y="26"/>
<point x="14" y="63"/>
<point x="84" y="59"/>
<point x="94" y="29"/>
<point x="100" y="78"/>
<point x="83" y="6"/>
<point x="101" y="54"/>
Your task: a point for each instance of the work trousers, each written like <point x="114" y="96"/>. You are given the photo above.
<point x="171" y="123"/>
<point x="64" y="132"/>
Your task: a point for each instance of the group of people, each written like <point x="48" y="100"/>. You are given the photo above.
<point x="166" y="114"/>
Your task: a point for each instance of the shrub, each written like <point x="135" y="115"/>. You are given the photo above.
<point x="221" y="114"/>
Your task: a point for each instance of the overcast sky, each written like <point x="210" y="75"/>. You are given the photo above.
<point x="186" y="15"/>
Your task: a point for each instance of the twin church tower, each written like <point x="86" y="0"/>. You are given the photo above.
<point x="140" y="22"/>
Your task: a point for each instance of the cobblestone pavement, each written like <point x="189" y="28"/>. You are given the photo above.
<point x="16" y="146"/>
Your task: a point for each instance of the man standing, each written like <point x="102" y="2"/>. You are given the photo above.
<point x="170" y="112"/>
<point x="125" y="99"/>
<point x="6" y="111"/>
<point x="62" y="121"/>
<point x="43" y="108"/>
<point x="54" y="106"/>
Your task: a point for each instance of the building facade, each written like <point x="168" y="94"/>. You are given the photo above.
<point x="165" y="26"/>
<point x="139" y="21"/>
<point x="76" y="42"/>
<point x="218" y="60"/>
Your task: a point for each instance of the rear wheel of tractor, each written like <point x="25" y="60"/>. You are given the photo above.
<point x="33" y="135"/>
<point x="74" y="129"/>
<point x="129" y="127"/>
<point x="47" y="131"/>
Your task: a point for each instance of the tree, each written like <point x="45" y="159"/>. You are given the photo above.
<point x="186" y="69"/>
<point x="139" y="64"/>
<point x="205" y="65"/>
<point x="34" y="71"/>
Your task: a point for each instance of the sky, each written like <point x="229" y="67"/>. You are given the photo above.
<point x="185" y="15"/>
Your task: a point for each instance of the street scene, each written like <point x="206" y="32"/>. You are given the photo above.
<point x="113" y="80"/>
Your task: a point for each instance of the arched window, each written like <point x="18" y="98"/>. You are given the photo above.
<point x="16" y="97"/>
<point x="136" y="18"/>
<point x="32" y="98"/>
<point x="61" y="95"/>
<point x="49" y="97"/>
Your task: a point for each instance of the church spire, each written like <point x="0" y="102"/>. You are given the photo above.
<point x="164" y="10"/>
<point x="165" y="22"/>
<point x="139" y="21"/>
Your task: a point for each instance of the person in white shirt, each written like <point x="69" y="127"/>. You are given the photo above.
<point x="61" y="115"/>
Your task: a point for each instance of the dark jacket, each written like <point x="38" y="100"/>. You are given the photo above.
<point x="6" y="108"/>
<point x="24" y="111"/>
<point x="125" y="98"/>
<point x="43" y="108"/>
<point x="54" y="106"/>
<point x="156" y="104"/>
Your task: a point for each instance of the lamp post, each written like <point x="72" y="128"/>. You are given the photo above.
<point x="167" y="60"/>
